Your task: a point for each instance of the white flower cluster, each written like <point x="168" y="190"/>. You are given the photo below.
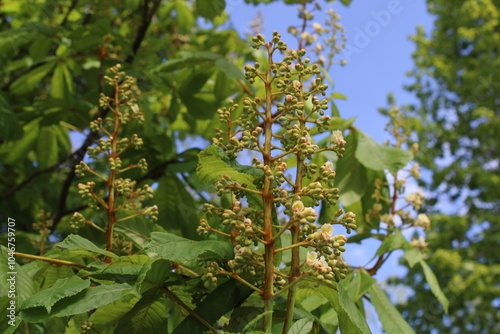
<point x="318" y="263"/>
<point x="416" y="199"/>
<point x="326" y="234"/>
<point x="419" y="243"/>
<point x="423" y="221"/>
<point x="304" y="214"/>
<point x="337" y="138"/>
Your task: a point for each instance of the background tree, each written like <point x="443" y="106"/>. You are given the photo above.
<point x="456" y="125"/>
<point x="56" y="54"/>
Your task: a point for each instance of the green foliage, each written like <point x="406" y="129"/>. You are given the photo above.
<point x="108" y="224"/>
<point x="391" y="319"/>
<point x="178" y="249"/>
<point x="455" y="122"/>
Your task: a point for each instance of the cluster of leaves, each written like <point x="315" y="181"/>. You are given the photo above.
<point x="152" y="277"/>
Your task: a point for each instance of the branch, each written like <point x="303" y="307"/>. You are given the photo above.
<point x="180" y="303"/>
<point x="70" y="9"/>
<point x="147" y="16"/>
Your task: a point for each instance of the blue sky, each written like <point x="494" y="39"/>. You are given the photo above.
<point x="378" y="53"/>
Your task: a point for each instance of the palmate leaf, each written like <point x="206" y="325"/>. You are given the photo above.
<point x="209" y="9"/>
<point x="63" y="288"/>
<point x="413" y="256"/>
<point x="24" y="289"/>
<point x="434" y="285"/>
<point x="302" y="326"/>
<point x="360" y="284"/>
<point x="220" y="301"/>
<point x="174" y="248"/>
<point x="178" y="211"/>
<point x="131" y="264"/>
<point x="351" y="320"/>
<point x="393" y="242"/>
<point x="46" y="147"/>
<point x="29" y="81"/>
<point x="153" y="274"/>
<point x="84" y="301"/>
<point x="148" y="316"/>
<point x="379" y="157"/>
<point x="61" y="86"/>
<point x="187" y="59"/>
<point x="351" y="174"/>
<point x="73" y="242"/>
<point x="389" y="316"/>
<point x="115" y="311"/>
<point x="14" y="152"/>
<point x="213" y="162"/>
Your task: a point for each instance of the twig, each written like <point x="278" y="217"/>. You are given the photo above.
<point x="51" y="260"/>
<point x="179" y="302"/>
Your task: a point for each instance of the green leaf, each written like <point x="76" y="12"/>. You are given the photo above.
<point x="357" y="208"/>
<point x="256" y="321"/>
<point x="178" y="211"/>
<point x="84" y="301"/>
<point x="10" y="129"/>
<point x="346" y="2"/>
<point x="358" y="237"/>
<point x="229" y="68"/>
<point x="360" y="284"/>
<point x="434" y="285"/>
<point x="148" y="316"/>
<point x="137" y="230"/>
<point x="302" y="326"/>
<point x="413" y="256"/>
<point x="351" y="320"/>
<point x="125" y="266"/>
<point x="368" y="201"/>
<point x="187" y="59"/>
<point x="24" y="285"/>
<point x="222" y="87"/>
<point x="14" y="152"/>
<point x="40" y="48"/>
<point x="393" y="242"/>
<point x="209" y="9"/>
<point x="63" y="288"/>
<point x="185" y="17"/>
<point x="153" y="274"/>
<point x="389" y="316"/>
<point x="219" y="302"/>
<point x="46" y="147"/>
<point x="92" y="298"/>
<point x="379" y="157"/>
<point x="213" y="162"/>
<point x="178" y="249"/>
<point x="113" y="312"/>
<point x="48" y="274"/>
<point x="74" y="242"/>
<point x="351" y="175"/>
<point x="338" y="96"/>
<point x="61" y="86"/>
<point x="28" y="82"/>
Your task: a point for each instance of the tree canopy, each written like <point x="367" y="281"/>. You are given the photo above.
<point x="456" y="123"/>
